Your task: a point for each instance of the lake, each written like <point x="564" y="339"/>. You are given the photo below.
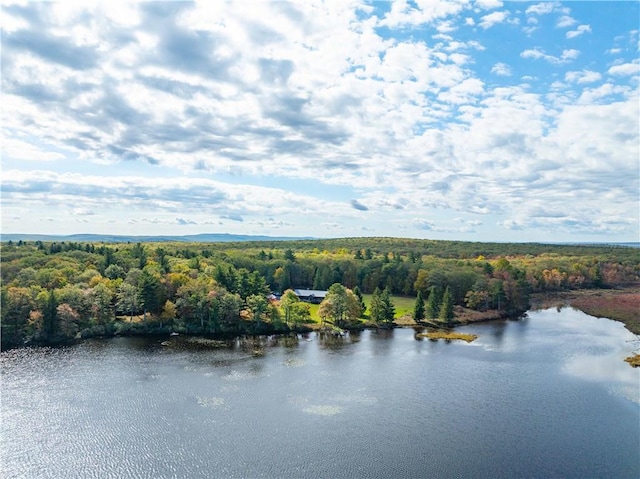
<point x="545" y="396"/>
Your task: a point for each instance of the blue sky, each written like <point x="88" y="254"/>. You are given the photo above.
<point x="468" y="120"/>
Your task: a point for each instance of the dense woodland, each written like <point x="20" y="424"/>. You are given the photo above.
<point x="52" y="291"/>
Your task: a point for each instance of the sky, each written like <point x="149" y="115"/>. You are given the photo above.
<point x="462" y="120"/>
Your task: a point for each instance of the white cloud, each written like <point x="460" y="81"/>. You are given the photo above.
<point x="466" y="91"/>
<point x="566" y="21"/>
<point x="537" y="53"/>
<point x="402" y="13"/>
<point x="585" y="76"/>
<point x="541" y="8"/>
<point x="501" y="69"/>
<point x="83" y="212"/>
<point x="597" y="94"/>
<point x="625" y="69"/>
<point x="369" y="127"/>
<point x="24" y="150"/>
<point x="578" y="31"/>
<point x="488" y="4"/>
<point x="570" y="54"/>
<point x="492" y="19"/>
<point x="423" y="224"/>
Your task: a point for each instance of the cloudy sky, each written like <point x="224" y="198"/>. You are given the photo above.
<point x="457" y="119"/>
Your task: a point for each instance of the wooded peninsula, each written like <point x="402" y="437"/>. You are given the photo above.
<point x="55" y="291"/>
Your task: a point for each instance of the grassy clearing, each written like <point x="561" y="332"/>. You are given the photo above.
<point x="634" y="361"/>
<point x="448" y="336"/>
<point x="404" y="305"/>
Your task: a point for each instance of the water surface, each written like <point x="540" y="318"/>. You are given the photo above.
<point x="546" y="396"/>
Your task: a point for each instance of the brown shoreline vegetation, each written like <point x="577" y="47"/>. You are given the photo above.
<point x="634" y="361"/>
<point x="618" y="304"/>
<point x="622" y="304"/>
<point x="447" y="336"/>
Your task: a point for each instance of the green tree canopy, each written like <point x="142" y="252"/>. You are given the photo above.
<point x="418" y="309"/>
<point x="446" y="308"/>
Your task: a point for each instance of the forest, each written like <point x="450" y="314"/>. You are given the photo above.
<point x="56" y="291"/>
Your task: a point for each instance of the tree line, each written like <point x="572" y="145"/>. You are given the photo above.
<point x="57" y="290"/>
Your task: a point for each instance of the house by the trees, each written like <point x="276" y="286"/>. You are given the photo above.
<point x="310" y="295"/>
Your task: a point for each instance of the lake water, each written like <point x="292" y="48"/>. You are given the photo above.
<point x="546" y="396"/>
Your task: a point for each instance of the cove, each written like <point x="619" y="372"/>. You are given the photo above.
<point x="546" y="396"/>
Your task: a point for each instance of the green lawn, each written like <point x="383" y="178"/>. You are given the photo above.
<point x="403" y="304"/>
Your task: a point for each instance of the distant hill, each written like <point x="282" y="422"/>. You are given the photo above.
<point x="97" y="238"/>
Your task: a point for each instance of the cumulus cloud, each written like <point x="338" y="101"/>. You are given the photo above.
<point x="295" y="109"/>
<point x="537" y="53"/>
<point x="578" y="31"/>
<point x="542" y="8"/>
<point x="423" y="224"/>
<point x="402" y="13"/>
<point x="585" y="76"/>
<point x="194" y="195"/>
<point x="501" y="69"/>
<point x="493" y="19"/>
<point x="488" y="4"/>
<point x="566" y="21"/>
<point x="625" y="69"/>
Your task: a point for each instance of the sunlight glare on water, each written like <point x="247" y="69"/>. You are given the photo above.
<point x="545" y="396"/>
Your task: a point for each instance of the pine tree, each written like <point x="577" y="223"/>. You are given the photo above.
<point x="376" y="310"/>
<point x="388" y="308"/>
<point x="433" y="303"/>
<point x="418" y="309"/>
<point x="358" y="294"/>
<point x="446" y="309"/>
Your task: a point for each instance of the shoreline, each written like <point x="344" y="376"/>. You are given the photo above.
<point x="622" y="305"/>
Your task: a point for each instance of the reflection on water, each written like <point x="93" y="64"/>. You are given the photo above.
<point x="546" y="396"/>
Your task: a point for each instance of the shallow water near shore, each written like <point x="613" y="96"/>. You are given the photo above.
<point x="545" y="396"/>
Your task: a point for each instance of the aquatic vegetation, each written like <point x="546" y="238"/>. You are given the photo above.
<point x="448" y="336"/>
<point x="634" y="361"/>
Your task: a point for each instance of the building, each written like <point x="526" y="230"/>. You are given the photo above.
<point x="310" y="295"/>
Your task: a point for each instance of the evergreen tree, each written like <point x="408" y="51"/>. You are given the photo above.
<point x="446" y="308"/>
<point x="433" y="303"/>
<point x="138" y="252"/>
<point x="376" y="311"/>
<point x="289" y="255"/>
<point x="358" y="294"/>
<point x="418" y="309"/>
<point x="388" y="308"/>
<point x="150" y="292"/>
<point x="382" y="309"/>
